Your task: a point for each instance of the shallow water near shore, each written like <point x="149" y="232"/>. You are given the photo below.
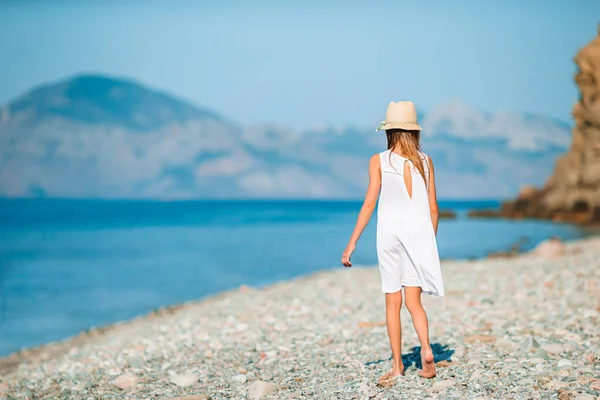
<point x="66" y="266"/>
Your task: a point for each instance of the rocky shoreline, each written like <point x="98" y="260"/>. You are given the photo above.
<point x="527" y="327"/>
<point x="572" y="193"/>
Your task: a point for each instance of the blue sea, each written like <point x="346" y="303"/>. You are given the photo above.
<point x="68" y="265"/>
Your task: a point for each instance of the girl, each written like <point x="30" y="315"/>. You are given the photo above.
<point x="407" y="218"/>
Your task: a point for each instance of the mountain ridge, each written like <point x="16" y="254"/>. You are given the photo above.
<point x="91" y="146"/>
<point x="103" y="99"/>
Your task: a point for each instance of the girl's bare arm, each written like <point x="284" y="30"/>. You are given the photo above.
<point x="433" y="205"/>
<point x="367" y="208"/>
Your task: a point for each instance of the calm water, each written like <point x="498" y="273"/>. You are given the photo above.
<point x="68" y="265"/>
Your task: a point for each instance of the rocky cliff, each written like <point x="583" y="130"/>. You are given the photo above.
<point x="573" y="191"/>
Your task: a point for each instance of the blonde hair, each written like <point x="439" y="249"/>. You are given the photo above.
<point x="407" y="143"/>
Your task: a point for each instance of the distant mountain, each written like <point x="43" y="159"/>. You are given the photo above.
<point x="519" y="131"/>
<point x="102" y="100"/>
<point x="101" y="137"/>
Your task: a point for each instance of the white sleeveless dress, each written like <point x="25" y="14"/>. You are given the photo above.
<point x="406" y="245"/>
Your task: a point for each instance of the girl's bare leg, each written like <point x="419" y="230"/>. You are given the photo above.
<point x="393" y="304"/>
<point x="419" y="318"/>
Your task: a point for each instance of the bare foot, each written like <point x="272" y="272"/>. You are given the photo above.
<point x="389" y="378"/>
<point x="428" y="370"/>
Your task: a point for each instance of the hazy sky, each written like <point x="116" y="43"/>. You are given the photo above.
<point x="308" y="62"/>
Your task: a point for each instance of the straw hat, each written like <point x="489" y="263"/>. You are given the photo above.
<point x="400" y="115"/>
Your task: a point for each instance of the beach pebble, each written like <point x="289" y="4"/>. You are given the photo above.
<point x="591" y="359"/>
<point x="564" y="363"/>
<point x="549" y="249"/>
<point x="259" y="389"/>
<point x="266" y="376"/>
<point x="526" y="382"/>
<point x="475" y="376"/>
<point x="505" y="345"/>
<point x="442" y="385"/>
<point x="540" y="354"/>
<point x="480" y="338"/>
<point x="184" y="380"/>
<point x="114" y="372"/>
<point x="556" y="384"/>
<point x="444" y="363"/>
<point x="475" y="360"/>
<point x="241" y="378"/>
<point x="585" y="396"/>
<point x="553" y="348"/>
<point x="529" y="344"/>
<point x="125" y="381"/>
<point x="571" y="347"/>
<point x="543" y="381"/>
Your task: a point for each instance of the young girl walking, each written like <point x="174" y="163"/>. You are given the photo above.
<point x="402" y="178"/>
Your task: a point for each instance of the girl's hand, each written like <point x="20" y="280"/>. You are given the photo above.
<point x="347" y="254"/>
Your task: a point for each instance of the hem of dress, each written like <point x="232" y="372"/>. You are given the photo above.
<point x="427" y="292"/>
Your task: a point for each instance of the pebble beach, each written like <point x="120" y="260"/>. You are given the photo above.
<point x="523" y="327"/>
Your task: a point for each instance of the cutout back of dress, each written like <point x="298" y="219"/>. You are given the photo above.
<point x="403" y="190"/>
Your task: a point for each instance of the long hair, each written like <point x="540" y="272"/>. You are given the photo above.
<point x="407" y="143"/>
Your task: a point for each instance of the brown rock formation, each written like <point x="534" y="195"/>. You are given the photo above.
<point x="447" y="214"/>
<point x="573" y="191"/>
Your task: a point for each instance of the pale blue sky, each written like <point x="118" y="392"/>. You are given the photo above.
<point x="308" y="62"/>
